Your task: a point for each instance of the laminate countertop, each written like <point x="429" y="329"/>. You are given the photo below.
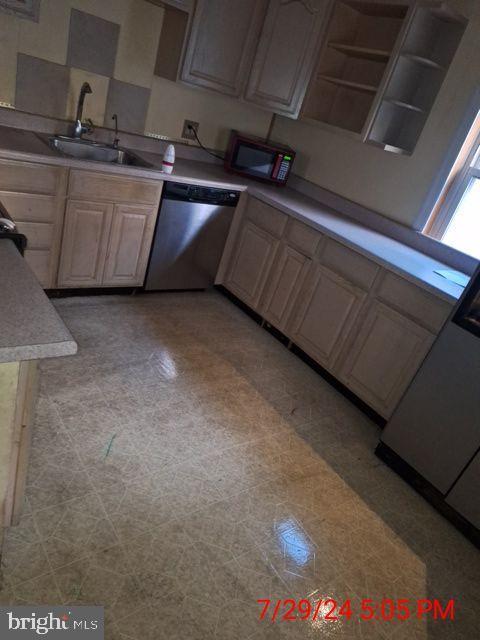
<point x="392" y="254"/>
<point x="30" y="328"/>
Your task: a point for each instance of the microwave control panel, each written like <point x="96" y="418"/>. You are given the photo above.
<point x="282" y="167"/>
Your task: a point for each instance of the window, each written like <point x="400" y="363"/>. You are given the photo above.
<point x="455" y="220"/>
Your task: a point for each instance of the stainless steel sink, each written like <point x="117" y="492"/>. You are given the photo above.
<point x="96" y="151"/>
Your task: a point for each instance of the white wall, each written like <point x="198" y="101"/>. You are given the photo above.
<point x="172" y="102"/>
<point x="393" y="185"/>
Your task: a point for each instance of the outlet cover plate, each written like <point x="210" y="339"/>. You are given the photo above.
<point x="186" y="133"/>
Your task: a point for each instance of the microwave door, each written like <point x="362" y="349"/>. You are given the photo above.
<point x="257" y="162"/>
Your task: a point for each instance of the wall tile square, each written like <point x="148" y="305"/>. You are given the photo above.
<point x="92" y="43"/>
<point x="130" y="103"/>
<point x="48" y="38"/>
<point x="42" y="86"/>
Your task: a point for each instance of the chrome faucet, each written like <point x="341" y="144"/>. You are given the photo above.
<point x="116" y="140"/>
<point x="79" y="128"/>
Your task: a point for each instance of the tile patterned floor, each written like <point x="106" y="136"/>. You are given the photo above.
<point x="185" y="464"/>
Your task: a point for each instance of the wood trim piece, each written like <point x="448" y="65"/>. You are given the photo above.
<point x="22" y="434"/>
<point x="30" y="177"/>
<point x="86" y="185"/>
<point x="413" y="302"/>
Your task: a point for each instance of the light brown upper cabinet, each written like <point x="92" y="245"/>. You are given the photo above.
<point x="368" y="68"/>
<point x="381" y="67"/>
<point x="106" y="241"/>
<point x="222" y="42"/>
<point x="286" y="54"/>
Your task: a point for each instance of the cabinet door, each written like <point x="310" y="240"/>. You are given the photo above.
<point x="328" y="307"/>
<point x="384" y="357"/>
<point x="85" y="240"/>
<point x="287" y="278"/>
<point x="465" y="495"/>
<point x="251" y="263"/>
<point x="286" y="55"/>
<point x="223" y="37"/>
<point x="129" y="246"/>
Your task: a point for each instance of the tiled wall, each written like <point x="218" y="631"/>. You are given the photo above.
<point x="112" y="44"/>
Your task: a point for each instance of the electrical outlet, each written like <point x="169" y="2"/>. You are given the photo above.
<point x="188" y="133"/>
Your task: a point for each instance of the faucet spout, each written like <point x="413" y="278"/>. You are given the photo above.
<point x="79" y="128"/>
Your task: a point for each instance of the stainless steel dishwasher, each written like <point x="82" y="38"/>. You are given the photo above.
<point x="192" y="227"/>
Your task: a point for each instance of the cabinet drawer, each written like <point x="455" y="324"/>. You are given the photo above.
<point x="39" y="263"/>
<point x="351" y="265"/>
<point x="39" y="234"/>
<point x="266" y="217"/>
<point x="25" y="207"/>
<point x="102" y="186"/>
<point x="303" y="238"/>
<point x="420" y="305"/>
<point x="29" y="177"/>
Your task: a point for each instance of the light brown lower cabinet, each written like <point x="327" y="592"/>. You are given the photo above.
<point x="327" y="310"/>
<point x="108" y="230"/>
<point x="34" y="196"/>
<point x="105" y="244"/>
<point x="386" y="353"/>
<point x="367" y="326"/>
<point x="289" y="272"/>
<point x="251" y="263"/>
<point x="85" y="242"/>
<point x="129" y="246"/>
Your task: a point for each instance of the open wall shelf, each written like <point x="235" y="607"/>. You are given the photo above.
<point x="368" y="88"/>
<point x="379" y="55"/>
<point x="359" y="43"/>
<point x="381" y="68"/>
<point x="430" y="42"/>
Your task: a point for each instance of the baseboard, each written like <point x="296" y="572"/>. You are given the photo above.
<point x="94" y="291"/>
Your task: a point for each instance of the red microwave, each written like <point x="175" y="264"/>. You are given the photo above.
<point x="257" y="159"/>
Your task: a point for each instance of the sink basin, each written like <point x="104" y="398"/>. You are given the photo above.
<point x="96" y="151"/>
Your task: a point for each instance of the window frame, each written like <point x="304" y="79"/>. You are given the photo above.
<point x="456" y="185"/>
